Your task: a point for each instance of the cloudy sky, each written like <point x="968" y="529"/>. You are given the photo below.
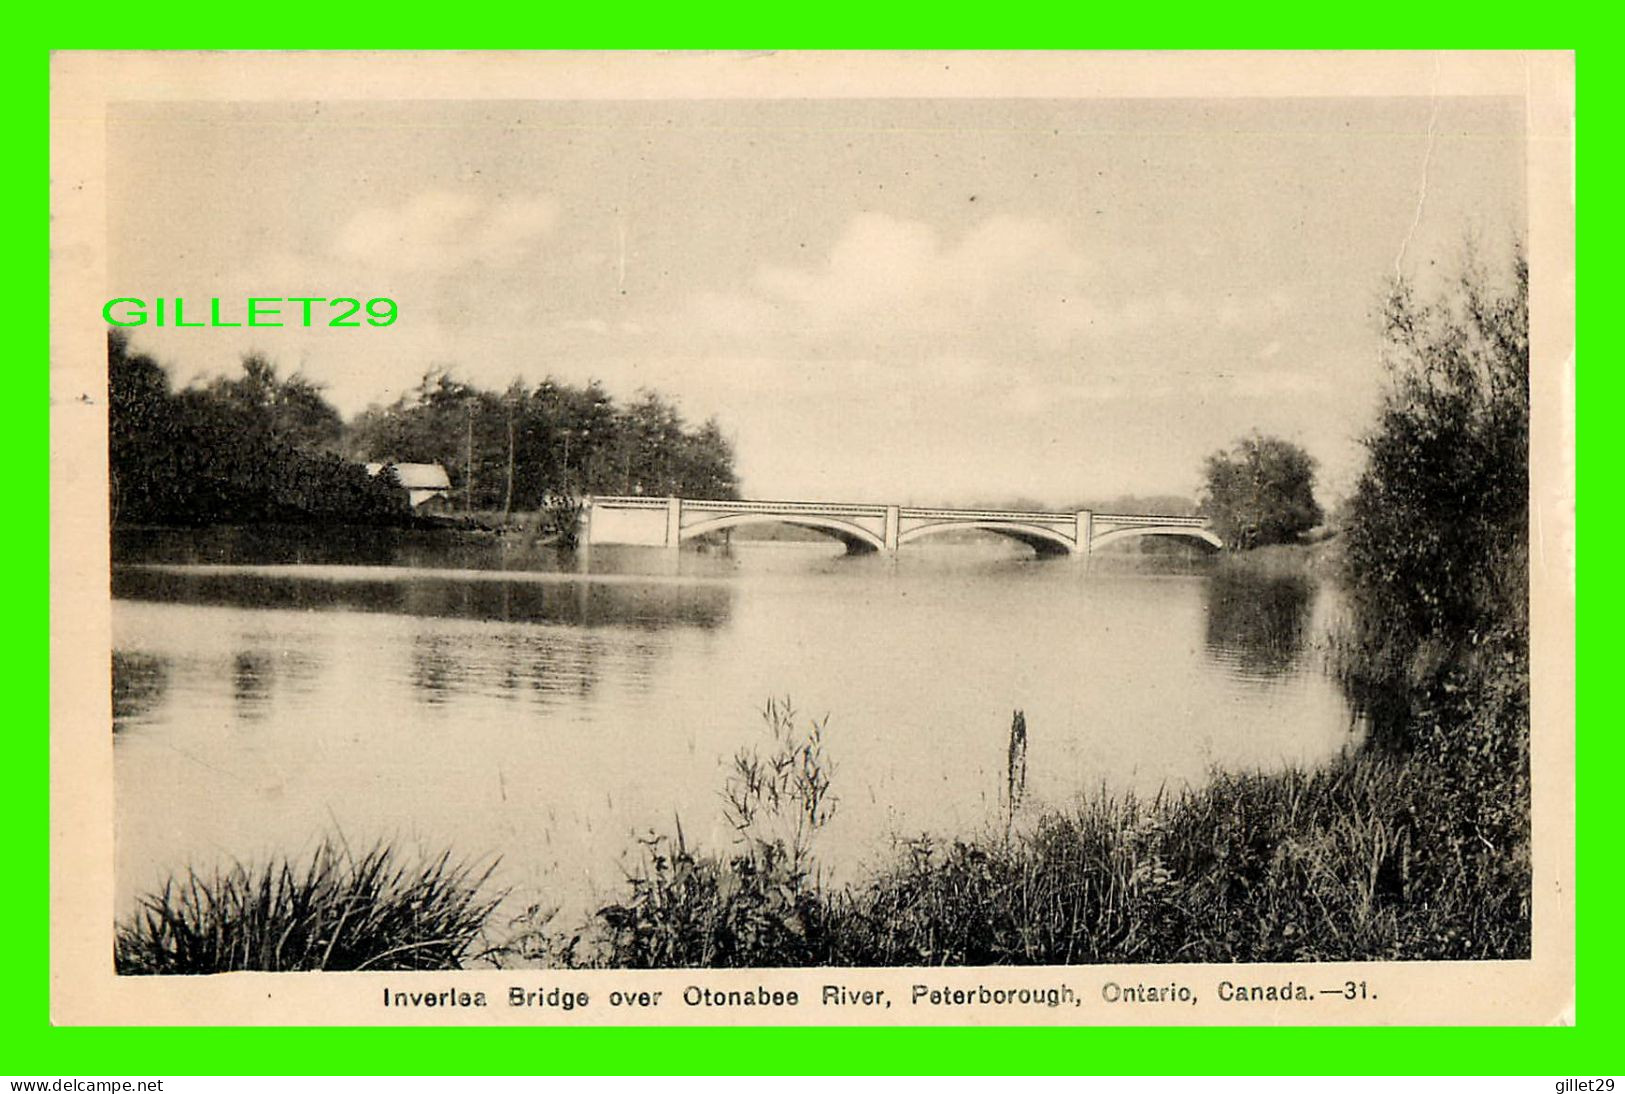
<point x="900" y="300"/>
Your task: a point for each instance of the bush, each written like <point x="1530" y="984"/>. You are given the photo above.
<point x="758" y="905"/>
<point x="1375" y="858"/>
<point x="338" y="913"/>
<point x="1437" y="539"/>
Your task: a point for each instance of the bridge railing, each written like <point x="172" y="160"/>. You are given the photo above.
<point x="814" y="507"/>
<point x="1141" y="520"/>
<point x="808" y="507"/>
<point x="629" y="501"/>
<point x="986" y="514"/>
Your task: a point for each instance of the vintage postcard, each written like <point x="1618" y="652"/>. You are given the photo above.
<point x="823" y="539"/>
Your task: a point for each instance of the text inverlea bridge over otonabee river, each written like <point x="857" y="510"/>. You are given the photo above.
<point x="667" y="522"/>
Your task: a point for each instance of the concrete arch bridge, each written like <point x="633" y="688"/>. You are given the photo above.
<point x="668" y="522"/>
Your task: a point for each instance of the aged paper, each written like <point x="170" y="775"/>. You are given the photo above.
<point x="867" y="268"/>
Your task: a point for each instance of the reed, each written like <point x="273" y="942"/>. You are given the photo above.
<point x="339" y="911"/>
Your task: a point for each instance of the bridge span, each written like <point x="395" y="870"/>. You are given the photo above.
<point x="668" y="522"/>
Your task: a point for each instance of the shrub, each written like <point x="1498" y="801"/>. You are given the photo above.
<point x="1437" y="537"/>
<point x="758" y="905"/>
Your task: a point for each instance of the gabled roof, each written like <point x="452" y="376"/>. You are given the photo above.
<point x="416" y="476"/>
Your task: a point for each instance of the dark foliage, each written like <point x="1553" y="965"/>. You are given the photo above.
<point x="1437" y="541"/>
<point x="1261" y="492"/>
<point x="246" y="450"/>
<point x="1437" y="558"/>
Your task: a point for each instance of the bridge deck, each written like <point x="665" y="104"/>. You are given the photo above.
<point x="666" y="522"/>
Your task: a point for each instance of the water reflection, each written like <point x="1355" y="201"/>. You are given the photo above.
<point x="293" y="545"/>
<point x="140" y="684"/>
<point x="534" y="598"/>
<point x="1258" y="623"/>
<point x="549" y="716"/>
<point x="253" y="672"/>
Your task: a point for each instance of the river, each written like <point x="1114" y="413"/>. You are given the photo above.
<point x="478" y="696"/>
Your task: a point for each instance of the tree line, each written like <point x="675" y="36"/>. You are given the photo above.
<point x="262" y="447"/>
<point x="519" y="448"/>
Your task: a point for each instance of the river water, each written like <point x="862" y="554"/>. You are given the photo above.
<point x="481" y="697"/>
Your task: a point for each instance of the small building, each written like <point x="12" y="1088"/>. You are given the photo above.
<point x="423" y="482"/>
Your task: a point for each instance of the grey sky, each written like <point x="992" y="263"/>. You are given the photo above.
<point x="913" y="301"/>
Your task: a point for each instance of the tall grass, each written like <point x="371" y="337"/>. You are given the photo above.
<point x="1362" y="861"/>
<point x="339" y="911"/>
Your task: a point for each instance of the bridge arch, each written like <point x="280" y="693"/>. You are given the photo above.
<point x="1045" y="541"/>
<point x="858" y="540"/>
<point x="1118" y="534"/>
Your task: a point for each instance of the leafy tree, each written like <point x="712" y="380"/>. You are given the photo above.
<point x="1261" y="492"/>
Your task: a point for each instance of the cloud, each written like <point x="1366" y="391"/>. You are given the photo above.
<point x="885" y="266"/>
<point x="440" y="230"/>
<point x="1007" y="286"/>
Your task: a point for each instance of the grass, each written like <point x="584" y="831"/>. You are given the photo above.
<point x="1366" y="860"/>
<point x="339" y="911"/>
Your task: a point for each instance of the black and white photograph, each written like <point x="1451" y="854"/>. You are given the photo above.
<point x="865" y="538"/>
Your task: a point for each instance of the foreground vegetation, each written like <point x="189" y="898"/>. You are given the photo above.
<point x="1377" y="857"/>
<point x="340" y="911"/>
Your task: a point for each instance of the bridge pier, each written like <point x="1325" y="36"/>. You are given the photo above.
<point x="1085" y="534"/>
<point x="893" y="520"/>
<point x="674" y="523"/>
